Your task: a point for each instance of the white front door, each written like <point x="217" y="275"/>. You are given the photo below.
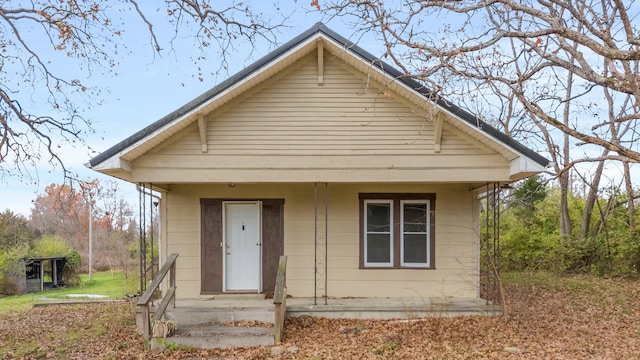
<point x="242" y="245"/>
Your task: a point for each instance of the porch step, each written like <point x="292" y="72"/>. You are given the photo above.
<point x="202" y="316"/>
<point x="211" y="336"/>
<point x="220" y="324"/>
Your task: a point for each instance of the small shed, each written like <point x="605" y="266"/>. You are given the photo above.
<point x="44" y="272"/>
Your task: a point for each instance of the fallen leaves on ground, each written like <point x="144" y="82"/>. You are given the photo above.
<point x="105" y="330"/>
<point x="549" y="317"/>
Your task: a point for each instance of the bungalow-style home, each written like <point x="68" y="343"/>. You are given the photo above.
<point x="368" y="182"/>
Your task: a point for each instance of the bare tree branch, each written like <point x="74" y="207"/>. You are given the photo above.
<point x="41" y="106"/>
<point x="520" y="47"/>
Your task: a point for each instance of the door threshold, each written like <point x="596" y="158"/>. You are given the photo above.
<point x="239" y="296"/>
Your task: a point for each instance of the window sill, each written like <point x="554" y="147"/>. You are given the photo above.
<point x="395" y="268"/>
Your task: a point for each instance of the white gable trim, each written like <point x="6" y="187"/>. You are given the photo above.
<point x="164" y="132"/>
<point x="113" y="163"/>
<point x="523" y="167"/>
<point x="520" y="163"/>
<point x="466" y="127"/>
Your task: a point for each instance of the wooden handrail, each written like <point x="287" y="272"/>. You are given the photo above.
<point x="169" y="267"/>
<point x="280" y="299"/>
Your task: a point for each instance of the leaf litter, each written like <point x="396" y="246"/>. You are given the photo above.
<point x="570" y="317"/>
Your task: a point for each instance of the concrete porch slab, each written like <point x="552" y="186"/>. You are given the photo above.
<point x="218" y="322"/>
<point x="358" y="308"/>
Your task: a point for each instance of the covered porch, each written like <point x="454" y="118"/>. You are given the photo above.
<point x="239" y="320"/>
<point x="352" y="308"/>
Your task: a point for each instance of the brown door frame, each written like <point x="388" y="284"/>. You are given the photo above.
<point x="211" y="239"/>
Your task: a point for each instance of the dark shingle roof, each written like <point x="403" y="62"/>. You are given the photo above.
<point x="320" y="28"/>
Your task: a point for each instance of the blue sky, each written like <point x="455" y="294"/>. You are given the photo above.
<point x="147" y="87"/>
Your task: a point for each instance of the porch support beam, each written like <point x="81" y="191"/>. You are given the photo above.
<point x="438" y="132"/>
<point x="320" y="63"/>
<point x="202" y="127"/>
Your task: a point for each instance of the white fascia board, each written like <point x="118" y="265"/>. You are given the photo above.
<point x="191" y="115"/>
<point x="523" y="167"/>
<point x="382" y="73"/>
<point x="529" y="163"/>
<point x="113" y="163"/>
<point x="248" y="78"/>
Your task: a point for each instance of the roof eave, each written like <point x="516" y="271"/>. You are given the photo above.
<point x="522" y="167"/>
<point x="189" y="110"/>
<point x="112" y="159"/>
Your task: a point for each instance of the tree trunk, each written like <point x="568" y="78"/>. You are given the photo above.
<point x="592" y="197"/>
<point x="565" y="220"/>
<point x="631" y="210"/>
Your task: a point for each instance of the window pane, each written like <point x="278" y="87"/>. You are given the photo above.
<point x="415" y="248"/>
<point x="378" y="248"/>
<point x="415" y="217"/>
<point x="378" y="217"/>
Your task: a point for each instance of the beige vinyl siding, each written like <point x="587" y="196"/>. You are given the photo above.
<point x="180" y="219"/>
<point x="455" y="254"/>
<point x="276" y="140"/>
<point x="349" y="130"/>
<point x="456" y="244"/>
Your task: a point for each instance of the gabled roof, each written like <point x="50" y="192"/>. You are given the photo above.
<point x="301" y="45"/>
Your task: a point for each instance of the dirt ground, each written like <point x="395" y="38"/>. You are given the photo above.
<point x="548" y="317"/>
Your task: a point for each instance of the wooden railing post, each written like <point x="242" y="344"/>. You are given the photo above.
<point x="147" y="321"/>
<point x="146" y="325"/>
<point x="172" y="283"/>
<point x="280" y="299"/>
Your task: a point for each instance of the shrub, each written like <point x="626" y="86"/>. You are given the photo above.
<point x="10" y="267"/>
<point x="51" y="245"/>
<point x="71" y="268"/>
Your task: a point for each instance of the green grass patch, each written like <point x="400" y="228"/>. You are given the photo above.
<point x="29" y="348"/>
<point x="113" y="285"/>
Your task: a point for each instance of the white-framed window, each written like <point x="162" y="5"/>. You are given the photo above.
<point x="378" y="233"/>
<point x="397" y="230"/>
<point x="414" y="233"/>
